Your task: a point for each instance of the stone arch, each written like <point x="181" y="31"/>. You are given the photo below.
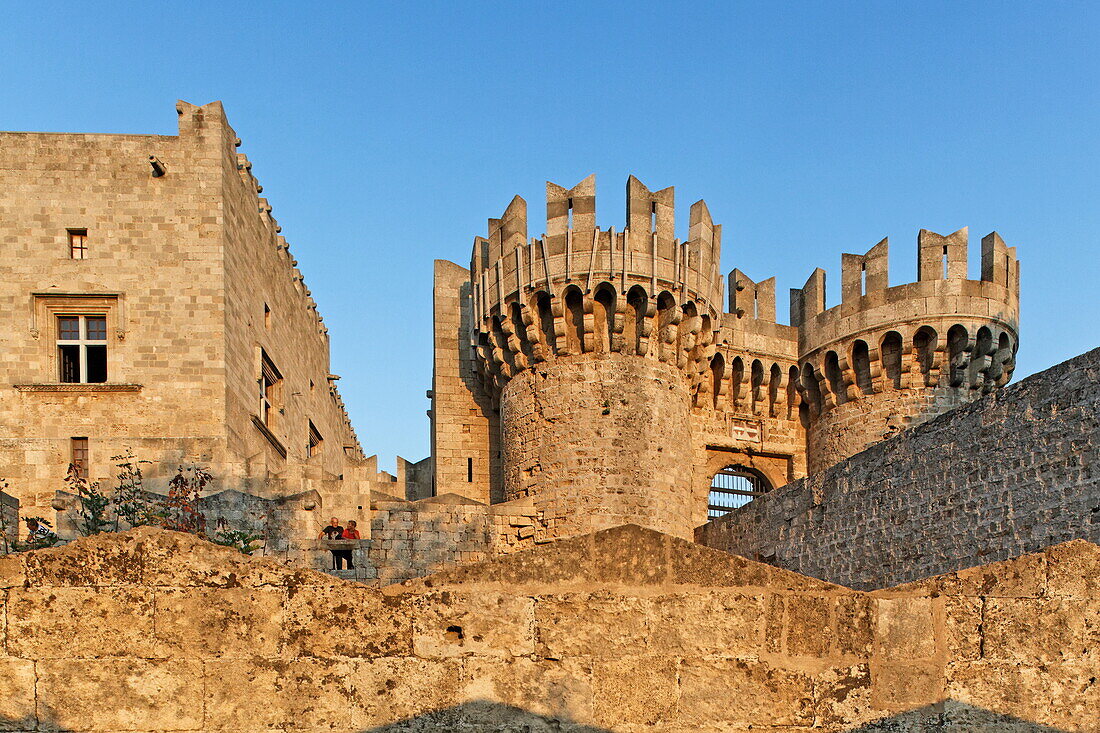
<point x="717" y="373"/>
<point x="574" y="319"/>
<point x="634" y="325"/>
<point x="835" y="377"/>
<point x="981" y="357"/>
<point x="775" y="378"/>
<point x="861" y="366"/>
<point x="668" y="316"/>
<point x="732" y="487"/>
<point x="924" y="351"/>
<point x="890" y="349"/>
<point x="688" y="332"/>
<point x="501" y="351"/>
<point x="1004" y="360"/>
<point x="756" y="383"/>
<point x="603" y="312"/>
<point x="958" y="358"/>
<point x="792" y="391"/>
<point x="541" y="303"/>
<point x="515" y="314"/>
<point x="737" y="377"/>
<point x="812" y="390"/>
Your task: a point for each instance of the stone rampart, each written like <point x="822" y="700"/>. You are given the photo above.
<point x="1011" y="473"/>
<point x="624" y="630"/>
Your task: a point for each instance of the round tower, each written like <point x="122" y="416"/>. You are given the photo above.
<point x="889" y="357"/>
<point x="594" y="344"/>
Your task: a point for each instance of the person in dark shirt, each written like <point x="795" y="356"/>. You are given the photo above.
<point x="334" y="532"/>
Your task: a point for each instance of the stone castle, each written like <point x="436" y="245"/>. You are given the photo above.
<point x="648" y="505"/>
<point x="597" y="373"/>
<point x="582" y="380"/>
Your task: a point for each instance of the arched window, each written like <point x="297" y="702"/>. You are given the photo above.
<point x="638" y="303"/>
<point x="574" y="320"/>
<point x="546" y="321"/>
<point x="924" y="346"/>
<point x="733" y="487"/>
<point x="861" y="365"/>
<point x="891" y="358"/>
<point x="717" y="371"/>
<point x="603" y="311"/>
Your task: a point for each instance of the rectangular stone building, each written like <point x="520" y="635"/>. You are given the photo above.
<point x="148" y="303"/>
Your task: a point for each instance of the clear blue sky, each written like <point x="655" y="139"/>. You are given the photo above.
<point x="385" y="134"/>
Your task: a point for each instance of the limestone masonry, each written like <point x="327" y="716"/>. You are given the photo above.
<point x="600" y="398"/>
<point x="597" y="373"/>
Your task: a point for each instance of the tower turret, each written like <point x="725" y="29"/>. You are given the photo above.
<point x="888" y="357"/>
<point x="594" y="344"/>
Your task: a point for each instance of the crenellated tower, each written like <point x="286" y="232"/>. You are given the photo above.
<point x="593" y="377"/>
<point x="594" y="345"/>
<point x="888" y="357"/>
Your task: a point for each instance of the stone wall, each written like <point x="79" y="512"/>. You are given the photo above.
<point x="194" y="280"/>
<point x="626" y="630"/>
<point x="599" y="440"/>
<point x="1011" y="473"/>
<point x="410" y="539"/>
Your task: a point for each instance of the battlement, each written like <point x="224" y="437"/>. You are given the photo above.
<point x="507" y="266"/>
<point x="890" y="356"/>
<point x="579" y="289"/>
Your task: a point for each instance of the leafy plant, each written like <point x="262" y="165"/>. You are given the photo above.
<point x="181" y="512"/>
<point x="94" y="503"/>
<point x="240" y="540"/>
<point x="132" y="502"/>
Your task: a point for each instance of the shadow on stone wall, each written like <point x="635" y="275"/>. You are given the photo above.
<point x="482" y="716"/>
<point x="952" y="715"/>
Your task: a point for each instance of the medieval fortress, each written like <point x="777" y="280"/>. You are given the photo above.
<point x="648" y="505"/>
<point x="583" y="379"/>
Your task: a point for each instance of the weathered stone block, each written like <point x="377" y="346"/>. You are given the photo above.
<point x="200" y="623"/>
<point x="343" y="619"/>
<point x="590" y="624"/>
<point x="723" y="692"/>
<point x="121" y="694"/>
<point x="65" y="623"/>
<point x="454" y="623"/>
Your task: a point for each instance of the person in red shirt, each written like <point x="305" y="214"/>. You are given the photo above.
<point x="350" y="532"/>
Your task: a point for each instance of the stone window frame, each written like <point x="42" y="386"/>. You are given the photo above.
<point x="45" y="307"/>
<point x="269" y="399"/>
<point x="78" y="243"/>
<point x="314" y="440"/>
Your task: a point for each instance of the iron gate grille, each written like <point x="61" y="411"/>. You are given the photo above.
<point x="730" y="489"/>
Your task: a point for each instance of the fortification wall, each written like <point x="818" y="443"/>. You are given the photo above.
<point x="624" y="631"/>
<point x="1011" y="473"/>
